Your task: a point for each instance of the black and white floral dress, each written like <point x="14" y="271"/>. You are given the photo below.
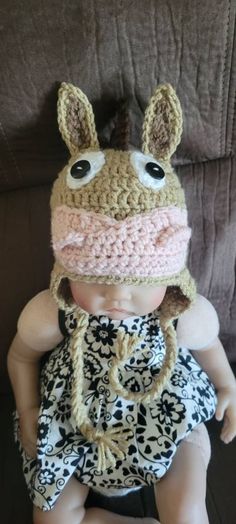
<point x="158" y="428"/>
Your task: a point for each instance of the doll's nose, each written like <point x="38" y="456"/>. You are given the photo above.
<point x="118" y="292"/>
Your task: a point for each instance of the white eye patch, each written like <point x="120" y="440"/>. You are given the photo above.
<point x="84" y="169"/>
<point x="150" y="172"/>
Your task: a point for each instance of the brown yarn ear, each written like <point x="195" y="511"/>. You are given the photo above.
<point x="76" y="119"/>
<point x="120" y="135"/>
<point x="162" y="126"/>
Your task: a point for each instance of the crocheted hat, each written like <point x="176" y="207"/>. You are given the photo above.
<point x="120" y="217"/>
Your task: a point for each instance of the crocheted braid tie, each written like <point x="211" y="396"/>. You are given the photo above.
<point x="112" y="444"/>
<point x="125" y="348"/>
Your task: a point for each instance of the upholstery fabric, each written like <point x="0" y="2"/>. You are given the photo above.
<point x="116" y="51"/>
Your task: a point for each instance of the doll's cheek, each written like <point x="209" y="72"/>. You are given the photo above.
<point x="74" y="294"/>
<point x="78" y="298"/>
<point x="158" y="296"/>
<point x="80" y="301"/>
<point x="86" y="303"/>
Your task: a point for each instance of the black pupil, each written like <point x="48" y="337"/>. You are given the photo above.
<point x="80" y="169"/>
<point x="155" y="170"/>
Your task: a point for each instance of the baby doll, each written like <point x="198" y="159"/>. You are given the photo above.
<point x="121" y="402"/>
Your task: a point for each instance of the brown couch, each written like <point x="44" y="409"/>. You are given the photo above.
<point x="113" y="50"/>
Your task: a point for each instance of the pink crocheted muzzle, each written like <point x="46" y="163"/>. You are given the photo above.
<point x="153" y="244"/>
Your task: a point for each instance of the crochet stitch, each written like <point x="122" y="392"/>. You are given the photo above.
<point x="122" y="219"/>
<point x="151" y="244"/>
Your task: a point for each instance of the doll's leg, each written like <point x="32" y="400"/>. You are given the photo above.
<point x="180" y="495"/>
<point x="69" y="509"/>
<point x="101" y="516"/>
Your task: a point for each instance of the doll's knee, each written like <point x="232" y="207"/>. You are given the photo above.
<point x="70" y="513"/>
<point x="41" y="517"/>
<point x="188" y="513"/>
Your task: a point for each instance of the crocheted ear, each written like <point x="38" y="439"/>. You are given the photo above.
<point x="162" y="127"/>
<point x="120" y="135"/>
<point x="76" y="119"/>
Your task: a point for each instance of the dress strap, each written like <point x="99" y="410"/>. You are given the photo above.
<point x="67" y="322"/>
<point x="61" y="323"/>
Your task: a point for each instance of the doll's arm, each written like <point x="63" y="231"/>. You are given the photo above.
<point x="197" y="330"/>
<point x="37" y="332"/>
<point x="214" y="361"/>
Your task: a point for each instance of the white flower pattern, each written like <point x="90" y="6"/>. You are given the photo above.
<point x="187" y="400"/>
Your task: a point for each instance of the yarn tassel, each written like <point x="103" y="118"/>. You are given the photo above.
<point x="112" y="444"/>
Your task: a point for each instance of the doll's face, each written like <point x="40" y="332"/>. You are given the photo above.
<point x="118" y="301"/>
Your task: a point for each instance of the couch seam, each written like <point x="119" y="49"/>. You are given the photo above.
<point x="233" y="131"/>
<point x="223" y="81"/>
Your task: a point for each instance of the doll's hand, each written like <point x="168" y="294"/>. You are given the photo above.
<point x="226" y="408"/>
<point x="28" y="430"/>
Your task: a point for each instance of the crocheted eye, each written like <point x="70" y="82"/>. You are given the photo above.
<point x="84" y="169"/>
<point x="150" y="173"/>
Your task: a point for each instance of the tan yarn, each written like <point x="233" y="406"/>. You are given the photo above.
<point x="60" y="289"/>
<point x="163" y="123"/>
<point x="77" y="403"/>
<point x="118" y="196"/>
<point x="111" y="444"/>
<point x="117" y="193"/>
<point x="120" y="135"/>
<point x="71" y="103"/>
<point x="126" y="345"/>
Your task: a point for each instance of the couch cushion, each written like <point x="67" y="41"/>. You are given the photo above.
<point x="211" y="196"/>
<point x="26" y="258"/>
<point x="112" y="50"/>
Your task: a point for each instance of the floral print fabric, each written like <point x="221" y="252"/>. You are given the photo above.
<point x="158" y="428"/>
